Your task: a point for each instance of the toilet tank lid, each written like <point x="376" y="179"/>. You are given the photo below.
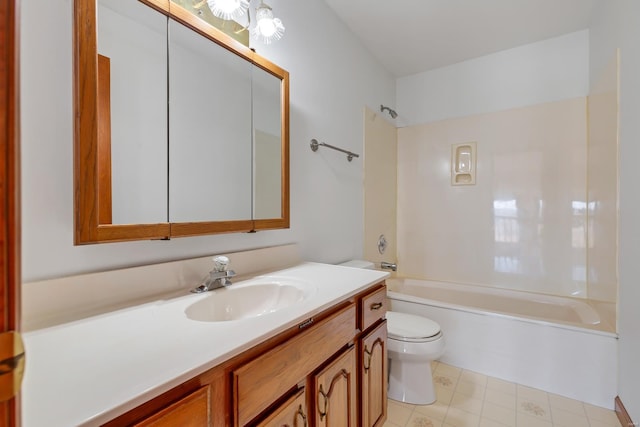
<point x="358" y="263"/>
<point x="403" y="325"/>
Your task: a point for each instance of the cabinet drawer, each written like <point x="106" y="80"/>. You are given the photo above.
<point x="190" y="411"/>
<point x="292" y="413"/>
<point x="373" y="307"/>
<point x="258" y="383"/>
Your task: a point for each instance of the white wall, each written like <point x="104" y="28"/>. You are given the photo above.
<point x="617" y="24"/>
<point x="332" y="78"/>
<point x="546" y="71"/>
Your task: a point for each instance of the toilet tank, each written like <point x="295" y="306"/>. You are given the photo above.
<point x="358" y="263"/>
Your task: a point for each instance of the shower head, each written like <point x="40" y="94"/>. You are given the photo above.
<point x="392" y="113"/>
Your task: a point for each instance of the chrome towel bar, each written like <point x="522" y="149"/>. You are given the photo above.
<point x="315" y="144"/>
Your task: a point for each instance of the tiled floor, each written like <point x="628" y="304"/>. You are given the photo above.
<point x="469" y="399"/>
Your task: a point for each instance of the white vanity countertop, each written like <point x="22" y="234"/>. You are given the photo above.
<point x="89" y="371"/>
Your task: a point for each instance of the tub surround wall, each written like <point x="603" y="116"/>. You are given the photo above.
<point x="522" y="225"/>
<point x="380" y="186"/>
<point x="615" y="25"/>
<point x="602" y="184"/>
<point x="319" y="181"/>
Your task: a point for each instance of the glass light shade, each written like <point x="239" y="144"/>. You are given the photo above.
<point x="228" y="9"/>
<point x="267" y="27"/>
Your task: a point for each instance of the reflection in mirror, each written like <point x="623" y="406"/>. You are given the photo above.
<point x="210" y="166"/>
<point x="132" y="44"/>
<point x="267" y="199"/>
<point x="267" y="140"/>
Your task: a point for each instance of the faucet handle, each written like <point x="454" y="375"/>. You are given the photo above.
<point x="220" y="263"/>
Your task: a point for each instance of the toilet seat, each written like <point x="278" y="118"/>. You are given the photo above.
<point x="411" y="328"/>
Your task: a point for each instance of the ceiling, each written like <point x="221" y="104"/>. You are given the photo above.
<point x="412" y="36"/>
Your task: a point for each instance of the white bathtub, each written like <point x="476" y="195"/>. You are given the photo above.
<point x="560" y="345"/>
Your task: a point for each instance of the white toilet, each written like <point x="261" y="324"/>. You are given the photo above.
<point x="412" y="343"/>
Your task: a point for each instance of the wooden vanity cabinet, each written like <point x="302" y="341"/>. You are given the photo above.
<point x="329" y="370"/>
<point x="261" y="381"/>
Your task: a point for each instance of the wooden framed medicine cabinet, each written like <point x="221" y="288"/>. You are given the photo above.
<point x="195" y="136"/>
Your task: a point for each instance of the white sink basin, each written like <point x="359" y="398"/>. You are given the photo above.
<point x="246" y="301"/>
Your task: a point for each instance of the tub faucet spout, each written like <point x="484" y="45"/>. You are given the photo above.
<point x="388" y="266"/>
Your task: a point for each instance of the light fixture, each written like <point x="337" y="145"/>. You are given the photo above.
<point x="267" y="27"/>
<point x="228" y="9"/>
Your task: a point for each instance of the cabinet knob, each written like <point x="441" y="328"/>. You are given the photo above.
<point x="300" y="414"/>
<point x="323" y="411"/>
<point x="367" y="359"/>
<point x="325" y="396"/>
<point x="375" y="306"/>
<point x="366" y="363"/>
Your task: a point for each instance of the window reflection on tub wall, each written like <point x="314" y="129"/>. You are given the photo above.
<point x="507" y="232"/>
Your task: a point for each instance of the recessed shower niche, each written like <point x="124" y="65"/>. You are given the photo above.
<point x="463" y="164"/>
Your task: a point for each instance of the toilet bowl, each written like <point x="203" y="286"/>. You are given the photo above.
<point x="412" y="343"/>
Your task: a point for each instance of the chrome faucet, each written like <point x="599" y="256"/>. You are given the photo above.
<point x="218" y="277"/>
<point x="388" y="266"/>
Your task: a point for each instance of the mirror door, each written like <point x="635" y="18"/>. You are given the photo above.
<point x="210" y="158"/>
<point x="132" y="72"/>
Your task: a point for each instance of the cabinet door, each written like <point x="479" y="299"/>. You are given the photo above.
<point x="335" y="392"/>
<point x="191" y="411"/>
<point x="373" y="371"/>
<point x="292" y="413"/>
